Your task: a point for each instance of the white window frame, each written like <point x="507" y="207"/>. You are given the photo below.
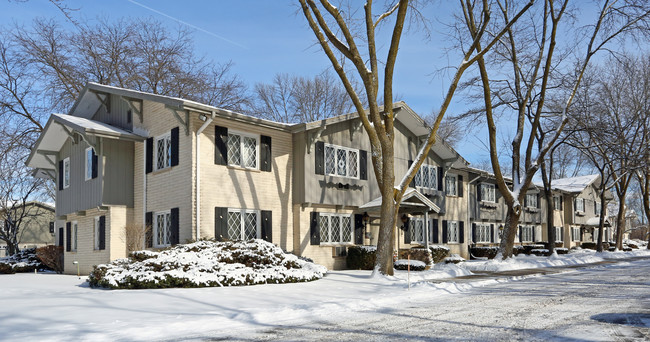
<point x="329" y="239"/>
<point x="483" y="233"/>
<point x="348" y="168"/>
<point x="597" y="210"/>
<point x="580" y="208"/>
<point x="66" y="173"/>
<point x="96" y="232"/>
<point x="575" y="233"/>
<point x="242" y="222"/>
<point x="595" y="234"/>
<point x="74" y="244"/>
<point x="488" y="189"/>
<point x="531" y="198"/>
<point x="417" y="227"/>
<point x="527" y="233"/>
<point x="166" y="217"/>
<point x="89" y="163"/>
<point x="559" y="237"/>
<point x="556" y="203"/>
<point x="167" y="156"/>
<point x="432" y="182"/>
<point x="448" y="177"/>
<point x="243" y="152"/>
<point x="453" y="232"/>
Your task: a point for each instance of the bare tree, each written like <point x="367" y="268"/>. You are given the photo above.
<point x="335" y="31"/>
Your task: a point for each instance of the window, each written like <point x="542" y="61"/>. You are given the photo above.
<point x="488" y="192"/>
<point x="452" y="231"/>
<point x="559" y="237"/>
<point x="531" y="200"/>
<point x="427" y="177"/>
<point x="335" y="228"/>
<point x="96" y="232"/>
<point x="527" y="233"/>
<point x="162" y="229"/>
<point x="89" y="163"/>
<point x="341" y="161"/>
<point x="450" y="185"/>
<point x="557" y="203"/>
<point x="416" y="229"/>
<point x="597" y="208"/>
<point x="580" y="204"/>
<point x="66" y="173"/>
<point x="243" y="150"/>
<point x="595" y="235"/>
<point x="163" y="151"/>
<point x="575" y="233"/>
<point x="73" y="245"/>
<point x="482" y="233"/>
<point x="243" y="224"/>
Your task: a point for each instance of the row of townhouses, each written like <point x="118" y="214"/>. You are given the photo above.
<point x="123" y="159"/>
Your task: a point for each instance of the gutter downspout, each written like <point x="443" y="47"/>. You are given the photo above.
<point x="198" y="174"/>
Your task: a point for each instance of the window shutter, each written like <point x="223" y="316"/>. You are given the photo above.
<point x="534" y="236"/>
<point x="595" y="211"/>
<point x="474" y="232"/>
<point x="149" y="158"/>
<point x="412" y="184"/>
<point x="220" y="146"/>
<point x="440" y="179"/>
<point x="478" y="192"/>
<point x="435" y="231"/>
<point x="460" y="186"/>
<point x="267" y="225"/>
<point x="60" y="174"/>
<point x="60" y="236"/>
<point x="561" y="204"/>
<point x="94" y="164"/>
<point x="539" y="203"/>
<point x="314" y="231"/>
<point x="407" y="231"/>
<point x="461" y="231"/>
<point x="491" y="232"/>
<point x="220" y="224"/>
<point x="102" y="232"/>
<point x="444" y="231"/>
<point x="174" y="138"/>
<point x="363" y="164"/>
<point x="359" y="229"/>
<point x="68" y="236"/>
<point x="319" y="159"/>
<point x="265" y="153"/>
<point x="174" y="217"/>
<point x="519" y="233"/>
<point x="525" y="200"/>
<point x="148" y="236"/>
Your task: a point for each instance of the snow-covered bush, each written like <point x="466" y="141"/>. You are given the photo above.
<point x="540" y="252"/>
<point x="454" y="259"/>
<point x="361" y="257"/>
<point x="562" y="250"/>
<point x="439" y="253"/>
<point x="483" y="252"/>
<point x="23" y="261"/>
<point x="421" y="254"/>
<point x="403" y="264"/>
<point x="206" y="263"/>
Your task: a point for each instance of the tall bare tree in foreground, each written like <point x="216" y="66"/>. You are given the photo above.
<point x="334" y="30"/>
<point x="529" y="65"/>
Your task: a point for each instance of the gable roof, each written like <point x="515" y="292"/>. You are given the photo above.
<point x="574" y="184"/>
<point x="412" y="200"/>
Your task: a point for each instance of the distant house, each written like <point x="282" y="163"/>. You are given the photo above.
<point x="37" y="228"/>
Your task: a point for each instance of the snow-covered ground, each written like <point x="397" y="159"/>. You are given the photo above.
<point x="58" y="307"/>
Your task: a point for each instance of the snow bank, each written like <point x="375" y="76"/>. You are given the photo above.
<point x="206" y="263"/>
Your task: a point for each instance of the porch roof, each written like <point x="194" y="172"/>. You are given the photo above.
<point x="595" y="222"/>
<point x="413" y="201"/>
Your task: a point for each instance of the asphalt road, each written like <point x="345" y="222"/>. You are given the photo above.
<point x="609" y="302"/>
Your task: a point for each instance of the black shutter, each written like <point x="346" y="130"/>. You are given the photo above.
<point x="407" y="231"/>
<point x="314" y="231"/>
<point x="319" y="159"/>
<point x="102" y="232"/>
<point x="525" y="200"/>
<point x="440" y="178"/>
<point x="359" y="229"/>
<point x="520" y="240"/>
<point x="491" y="232"/>
<point x="174" y="138"/>
<point x="363" y="164"/>
<point x="68" y="236"/>
<point x="474" y="232"/>
<point x="220" y="146"/>
<point x="444" y="231"/>
<point x="149" y="166"/>
<point x="265" y="153"/>
<point x="539" y="203"/>
<point x="461" y="231"/>
<point x="60" y="236"/>
<point x="595" y="204"/>
<point x="220" y="224"/>
<point x="412" y="184"/>
<point x="460" y="186"/>
<point x="60" y="174"/>
<point x="561" y="204"/>
<point x="435" y="231"/>
<point x="94" y="164"/>
<point x="148" y="236"/>
<point x="534" y="234"/>
<point x="478" y="192"/>
<point x="267" y="224"/>
<point x="174" y="217"/>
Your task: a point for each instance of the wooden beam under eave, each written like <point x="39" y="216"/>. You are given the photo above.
<point x="186" y="113"/>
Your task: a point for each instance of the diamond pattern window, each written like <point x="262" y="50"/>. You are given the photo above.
<point x="163" y="151"/>
<point x="451" y="182"/>
<point x="162" y="226"/>
<point x="66" y="173"/>
<point x="335" y="228"/>
<point x="482" y="233"/>
<point x="488" y="192"/>
<point x="427" y="177"/>
<point x="243" y="150"/>
<point x="416" y="227"/>
<point x="341" y="161"/>
<point x="452" y="231"/>
<point x="243" y="224"/>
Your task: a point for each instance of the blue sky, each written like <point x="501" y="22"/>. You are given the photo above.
<point x="263" y="38"/>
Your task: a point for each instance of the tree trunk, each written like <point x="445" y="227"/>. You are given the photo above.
<point x="12" y="248"/>
<point x="601" y="223"/>
<point x="548" y="195"/>
<point x="509" y="233"/>
<point x="620" y="223"/>
<point x="389" y="212"/>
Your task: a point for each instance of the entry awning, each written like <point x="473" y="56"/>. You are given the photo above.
<point x="413" y="201"/>
<point x="595" y="222"/>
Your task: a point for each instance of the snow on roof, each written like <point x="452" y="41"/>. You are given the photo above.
<point x="407" y="200"/>
<point x="91" y="126"/>
<point x="574" y="184"/>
